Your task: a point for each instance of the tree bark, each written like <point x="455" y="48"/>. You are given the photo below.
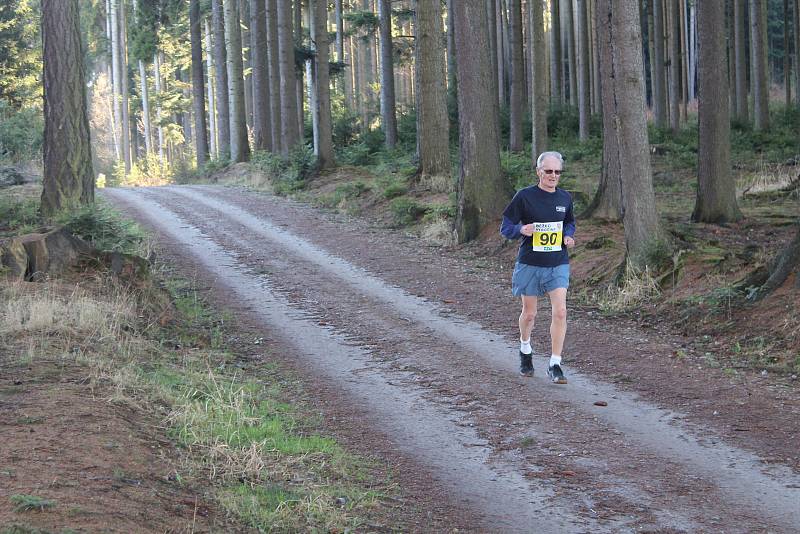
<point x="556" y="65"/>
<point x="324" y="147"/>
<point x="290" y="136"/>
<point x="673" y="38"/>
<point x="516" y="109"/>
<point x="262" y="127"/>
<point x="607" y="201"/>
<point x="797" y="53"/>
<point x="240" y="145"/>
<point x="388" y="102"/>
<point x="433" y="125"/>
<point x="452" y="77"/>
<point x="659" y="71"/>
<point x="482" y="189"/>
<point x="758" y="48"/>
<point x="716" y="192"/>
<point x="539" y="102"/>
<point x="299" y="92"/>
<point x="273" y="64"/>
<point x="198" y="85"/>
<point x="787" y="63"/>
<point x="157" y="78"/>
<point x="68" y="174"/>
<point x="582" y="41"/>
<point x="568" y="11"/>
<point x="787" y="262"/>
<point x="644" y="236"/>
<point x="741" y="111"/>
<point x="212" y="114"/>
<point x="124" y="91"/>
<point x="221" y="61"/>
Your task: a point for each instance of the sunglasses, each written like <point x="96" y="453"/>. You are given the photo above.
<point x="557" y="172"/>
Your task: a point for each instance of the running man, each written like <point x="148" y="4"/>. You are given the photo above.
<point x="542" y="215"/>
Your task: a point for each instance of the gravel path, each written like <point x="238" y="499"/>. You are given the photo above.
<point x="418" y="343"/>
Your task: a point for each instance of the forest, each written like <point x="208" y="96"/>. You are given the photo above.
<point x="679" y="126"/>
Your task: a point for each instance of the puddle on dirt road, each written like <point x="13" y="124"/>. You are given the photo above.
<point x="436" y="438"/>
<point x="742" y="477"/>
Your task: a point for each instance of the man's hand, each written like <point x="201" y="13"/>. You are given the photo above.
<point x="526" y="230"/>
<point x="569" y="241"/>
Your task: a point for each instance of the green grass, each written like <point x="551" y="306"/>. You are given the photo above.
<point x="18" y="215"/>
<point x="26" y="503"/>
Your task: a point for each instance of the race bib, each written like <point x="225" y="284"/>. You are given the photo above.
<point x="547" y="236"/>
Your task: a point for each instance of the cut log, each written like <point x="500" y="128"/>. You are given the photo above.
<point x="13" y="260"/>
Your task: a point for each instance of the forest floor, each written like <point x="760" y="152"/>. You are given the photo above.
<point x="409" y="347"/>
<point x="136" y="407"/>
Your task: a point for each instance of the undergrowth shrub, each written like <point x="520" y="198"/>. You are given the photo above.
<point x="21" y="133"/>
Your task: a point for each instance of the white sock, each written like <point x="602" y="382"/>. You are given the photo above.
<point x="525" y="346"/>
<point x="555" y="360"/>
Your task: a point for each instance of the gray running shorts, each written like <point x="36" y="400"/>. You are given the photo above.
<point x="533" y="281"/>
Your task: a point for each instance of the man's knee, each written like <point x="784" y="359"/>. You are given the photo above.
<point x="528" y="315"/>
<point x="560" y="313"/>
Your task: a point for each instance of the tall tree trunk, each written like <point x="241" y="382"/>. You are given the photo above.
<point x="597" y="104"/>
<point x="495" y="50"/>
<point x="247" y="62"/>
<point x="324" y="148"/>
<point x="741" y="111"/>
<point x="693" y="50"/>
<point x="290" y="135"/>
<point x="482" y="190"/>
<point x="298" y="39"/>
<point x="116" y="75"/>
<point x="787" y="63"/>
<point x="651" y="54"/>
<point x="797" y="53"/>
<point x="758" y="48"/>
<point x="433" y="126"/>
<point x="539" y="102"/>
<point x="198" y="84"/>
<point x="212" y="114"/>
<point x="123" y="59"/>
<point x="556" y="65"/>
<point x="240" y="145"/>
<point x="145" y="95"/>
<point x="366" y="74"/>
<point x="388" y="103"/>
<point x="452" y="67"/>
<point x="673" y="38"/>
<point x="262" y="128"/>
<point x="568" y="11"/>
<point x="716" y="192"/>
<point x="273" y="64"/>
<point x="68" y="174"/>
<point x="607" y="202"/>
<point x="221" y="61"/>
<point x="516" y="109"/>
<point x="159" y="116"/>
<point x="684" y="45"/>
<point x="347" y="84"/>
<point x="659" y="83"/>
<point x="582" y="41"/>
<point x="644" y="236"/>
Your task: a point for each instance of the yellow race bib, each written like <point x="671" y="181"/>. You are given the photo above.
<point x="547" y="236"/>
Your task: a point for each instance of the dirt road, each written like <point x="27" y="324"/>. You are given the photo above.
<point x="418" y="345"/>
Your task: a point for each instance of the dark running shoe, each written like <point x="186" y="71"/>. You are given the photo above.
<point x="525" y="364"/>
<point x="556" y="374"/>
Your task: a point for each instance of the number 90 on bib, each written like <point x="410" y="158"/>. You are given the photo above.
<point x="547" y="236"/>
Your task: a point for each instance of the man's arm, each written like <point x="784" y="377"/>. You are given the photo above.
<point x="509" y="229"/>
<point x="569" y="226"/>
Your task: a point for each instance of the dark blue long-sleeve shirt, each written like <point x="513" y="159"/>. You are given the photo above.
<point x="552" y="212"/>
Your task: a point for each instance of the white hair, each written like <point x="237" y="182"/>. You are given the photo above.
<point x="556" y="155"/>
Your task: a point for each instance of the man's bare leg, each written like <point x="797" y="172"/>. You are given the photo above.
<point x="558" y="332"/>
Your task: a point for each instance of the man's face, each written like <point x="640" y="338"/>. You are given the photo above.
<point x="549" y="173"/>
